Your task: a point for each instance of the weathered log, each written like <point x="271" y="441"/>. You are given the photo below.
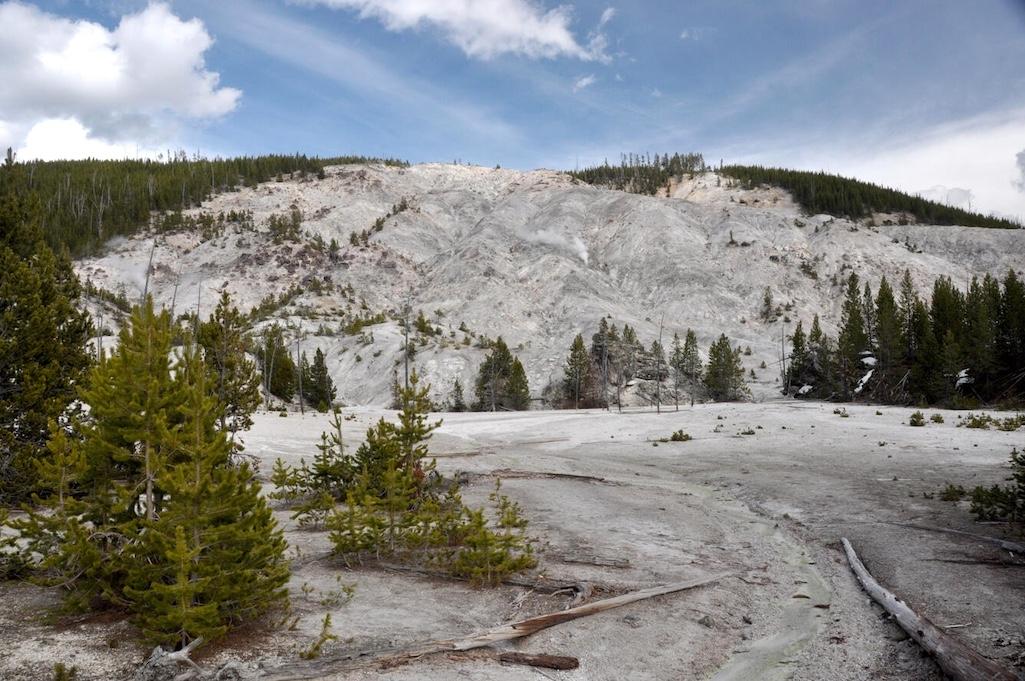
<point x="545" y="661"/>
<point x="338" y="662"/>
<point x="957" y="660"/>
<point x="1011" y="546"/>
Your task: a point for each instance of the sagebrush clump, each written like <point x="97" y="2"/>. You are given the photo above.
<point x="917" y="419"/>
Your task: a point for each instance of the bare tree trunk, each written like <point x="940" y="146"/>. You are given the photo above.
<point x="957" y="660"/>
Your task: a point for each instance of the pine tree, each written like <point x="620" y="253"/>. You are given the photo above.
<point x="853" y="340"/>
<point x="767" y="309"/>
<point x="868" y="314"/>
<point x="214" y="555"/>
<point x="676" y="365"/>
<point x="577" y="371"/>
<point x="517" y="388"/>
<point x="457" y="402"/>
<point x="318" y="388"/>
<point x="888" y="338"/>
<point x="161" y="521"/>
<point x="43" y="353"/>
<point x="495" y="387"/>
<point x="906" y="314"/>
<point x="691" y="363"/>
<point x="279" y="370"/>
<point x="1011" y="326"/>
<point x="820" y="348"/>
<point x="724" y="375"/>
<point x="800" y="371"/>
<point x="236" y="380"/>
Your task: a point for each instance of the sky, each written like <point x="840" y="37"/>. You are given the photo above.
<point x="924" y="95"/>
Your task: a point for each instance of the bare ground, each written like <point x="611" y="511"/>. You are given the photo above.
<point x="611" y="507"/>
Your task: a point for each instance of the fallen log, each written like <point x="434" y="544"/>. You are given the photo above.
<point x="957" y="660"/>
<point x="1011" y="546"/>
<point x="544" y="661"/>
<point x="339" y="662"/>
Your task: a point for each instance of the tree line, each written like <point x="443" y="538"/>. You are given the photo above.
<point x="84" y="203"/>
<point x="820" y="192"/>
<point x="960" y="348"/>
<point x="596" y="376"/>
<point x="641" y="173"/>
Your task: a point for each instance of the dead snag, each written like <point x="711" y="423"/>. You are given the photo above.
<point x="957" y="660"/>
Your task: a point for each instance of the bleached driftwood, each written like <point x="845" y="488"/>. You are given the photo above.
<point x="957" y="660"/>
<point x="506" y="632"/>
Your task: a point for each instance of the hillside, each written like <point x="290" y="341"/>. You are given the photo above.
<point x="535" y="257"/>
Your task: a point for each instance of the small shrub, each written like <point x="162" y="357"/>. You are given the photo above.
<point x="917" y="419"/>
<point x="936" y="418"/>
<point x="64" y="673"/>
<point x="1003" y="502"/>
<point x="749" y="431"/>
<point x="980" y="421"/>
<point x="953" y="493"/>
<point x="841" y="412"/>
<point x="680" y="436"/>
<point x="326" y="636"/>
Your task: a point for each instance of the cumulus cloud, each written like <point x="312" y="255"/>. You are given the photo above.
<point x="486" y="28"/>
<point x="951" y="196"/>
<point x="103" y="92"/>
<point x="1019" y="182"/>
<point x="584" y="82"/>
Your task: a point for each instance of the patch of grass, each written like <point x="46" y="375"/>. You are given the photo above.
<point x="680" y="436"/>
<point x="936" y="418"/>
<point x="917" y="419"/>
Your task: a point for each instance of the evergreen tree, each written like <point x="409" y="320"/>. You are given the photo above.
<point x="318" y="388"/>
<point x="767" y="309"/>
<point x="149" y="513"/>
<point x="906" y="314"/>
<point x="517" y="388"/>
<point x="576" y="381"/>
<point x="868" y="314"/>
<point x="496" y="387"/>
<point x="235" y="378"/>
<point x="801" y="370"/>
<point x="658" y="359"/>
<point x="980" y="335"/>
<point x="676" y="366"/>
<point x="43" y="336"/>
<point x="457" y="401"/>
<point x="214" y="555"/>
<point x="724" y="375"/>
<point x="820" y="347"/>
<point x="853" y="340"/>
<point x="279" y="370"/>
<point x="888" y="329"/>
<point x="691" y="363"/>
<point x="1011" y="329"/>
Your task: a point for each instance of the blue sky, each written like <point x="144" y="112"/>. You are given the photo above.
<point x="926" y="95"/>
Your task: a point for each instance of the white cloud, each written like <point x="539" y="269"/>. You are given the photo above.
<point x="656" y="93"/>
<point x="606" y="16"/>
<point x="484" y="28"/>
<point x="695" y="33"/>
<point x="972" y="155"/>
<point x="583" y="82"/>
<point x="958" y="197"/>
<point x="1019" y="181"/>
<point x="103" y="91"/>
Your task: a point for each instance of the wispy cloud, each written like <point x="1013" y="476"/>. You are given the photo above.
<point x="484" y="29"/>
<point x="606" y="16"/>
<point x="1019" y="181"/>
<point x="315" y="51"/>
<point x="696" y="33"/>
<point x="584" y="82"/>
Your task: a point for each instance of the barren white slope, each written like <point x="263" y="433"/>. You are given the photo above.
<point x="537" y="257"/>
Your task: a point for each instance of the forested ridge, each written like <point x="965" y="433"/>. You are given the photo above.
<point x="816" y="192"/>
<point x="84" y="203"/>
<point x="819" y="192"/>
